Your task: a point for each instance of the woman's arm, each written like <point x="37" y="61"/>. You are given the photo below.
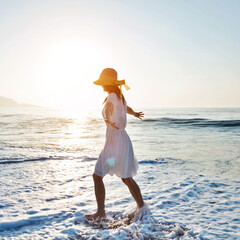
<point x="108" y="110"/>
<point x="139" y="115"/>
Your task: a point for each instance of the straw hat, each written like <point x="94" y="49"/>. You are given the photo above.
<point x="108" y="76"/>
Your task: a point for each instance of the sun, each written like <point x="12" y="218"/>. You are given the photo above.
<point x="66" y="72"/>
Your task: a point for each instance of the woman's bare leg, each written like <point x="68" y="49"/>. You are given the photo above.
<point x="134" y="190"/>
<point x="100" y="197"/>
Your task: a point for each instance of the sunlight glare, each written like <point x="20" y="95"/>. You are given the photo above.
<point x="66" y="72"/>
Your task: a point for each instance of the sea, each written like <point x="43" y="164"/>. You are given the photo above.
<point x="189" y="175"/>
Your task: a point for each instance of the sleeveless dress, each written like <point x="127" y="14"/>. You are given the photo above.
<point x="117" y="156"/>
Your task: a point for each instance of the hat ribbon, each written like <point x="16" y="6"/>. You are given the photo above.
<point x="122" y="82"/>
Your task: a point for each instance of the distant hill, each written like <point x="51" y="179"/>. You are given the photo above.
<point x="7" y="102"/>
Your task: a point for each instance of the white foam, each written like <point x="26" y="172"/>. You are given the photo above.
<point x="27" y="212"/>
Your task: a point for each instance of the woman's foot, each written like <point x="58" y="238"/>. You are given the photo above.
<point x="96" y="216"/>
<point x="136" y="211"/>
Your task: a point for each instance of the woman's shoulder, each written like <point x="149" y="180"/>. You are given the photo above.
<point x="112" y="97"/>
<point x="112" y="94"/>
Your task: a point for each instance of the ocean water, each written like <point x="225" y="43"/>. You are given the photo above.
<point x="189" y="175"/>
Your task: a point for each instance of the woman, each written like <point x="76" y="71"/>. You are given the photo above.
<point x="117" y="156"/>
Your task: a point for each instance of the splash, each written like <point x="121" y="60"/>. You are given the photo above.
<point x="139" y="224"/>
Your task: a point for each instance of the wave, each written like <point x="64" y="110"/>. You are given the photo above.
<point x="196" y="122"/>
<point x="20" y="160"/>
<point x="166" y="160"/>
<point x="155" y="161"/>
<point x="85" y="159"/>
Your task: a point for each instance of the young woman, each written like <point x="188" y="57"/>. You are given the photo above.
<point x="117" y="156"/>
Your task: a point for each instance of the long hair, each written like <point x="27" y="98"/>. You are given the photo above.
<point x="115" y="89"/>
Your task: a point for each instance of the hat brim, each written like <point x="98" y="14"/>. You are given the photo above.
<point x="98" y="82"/>
<point x="105" y="82"/>
<point x="102" y="82"/>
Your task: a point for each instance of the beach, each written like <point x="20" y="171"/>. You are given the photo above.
<point x="188" y="174"/>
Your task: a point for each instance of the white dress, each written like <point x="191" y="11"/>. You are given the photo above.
<point x="117" y="156"/>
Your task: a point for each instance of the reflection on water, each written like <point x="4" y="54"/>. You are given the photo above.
<point x="186" y="134"/>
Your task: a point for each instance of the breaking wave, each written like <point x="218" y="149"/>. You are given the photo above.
<point x="195" y="122"/>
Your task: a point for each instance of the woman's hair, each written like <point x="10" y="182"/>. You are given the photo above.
<point x="115" y="89"/>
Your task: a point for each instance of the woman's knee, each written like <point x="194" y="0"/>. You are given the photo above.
<point x="127" y="180"/>
<point x="96" y="178"/>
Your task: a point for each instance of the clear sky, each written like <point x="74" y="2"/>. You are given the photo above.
<point x="172" y="53"/>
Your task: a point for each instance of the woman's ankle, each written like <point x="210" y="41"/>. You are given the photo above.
<point x="141" y="205"/>
<point x="101" y="212"/>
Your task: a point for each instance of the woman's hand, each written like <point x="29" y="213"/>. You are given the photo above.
<point x="139" y="115"/>
<point x="113" y="125"/>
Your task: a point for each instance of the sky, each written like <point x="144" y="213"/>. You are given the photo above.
<point x="172" y="53"/>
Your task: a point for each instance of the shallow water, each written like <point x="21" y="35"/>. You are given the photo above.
<point x="188" y="174"/>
